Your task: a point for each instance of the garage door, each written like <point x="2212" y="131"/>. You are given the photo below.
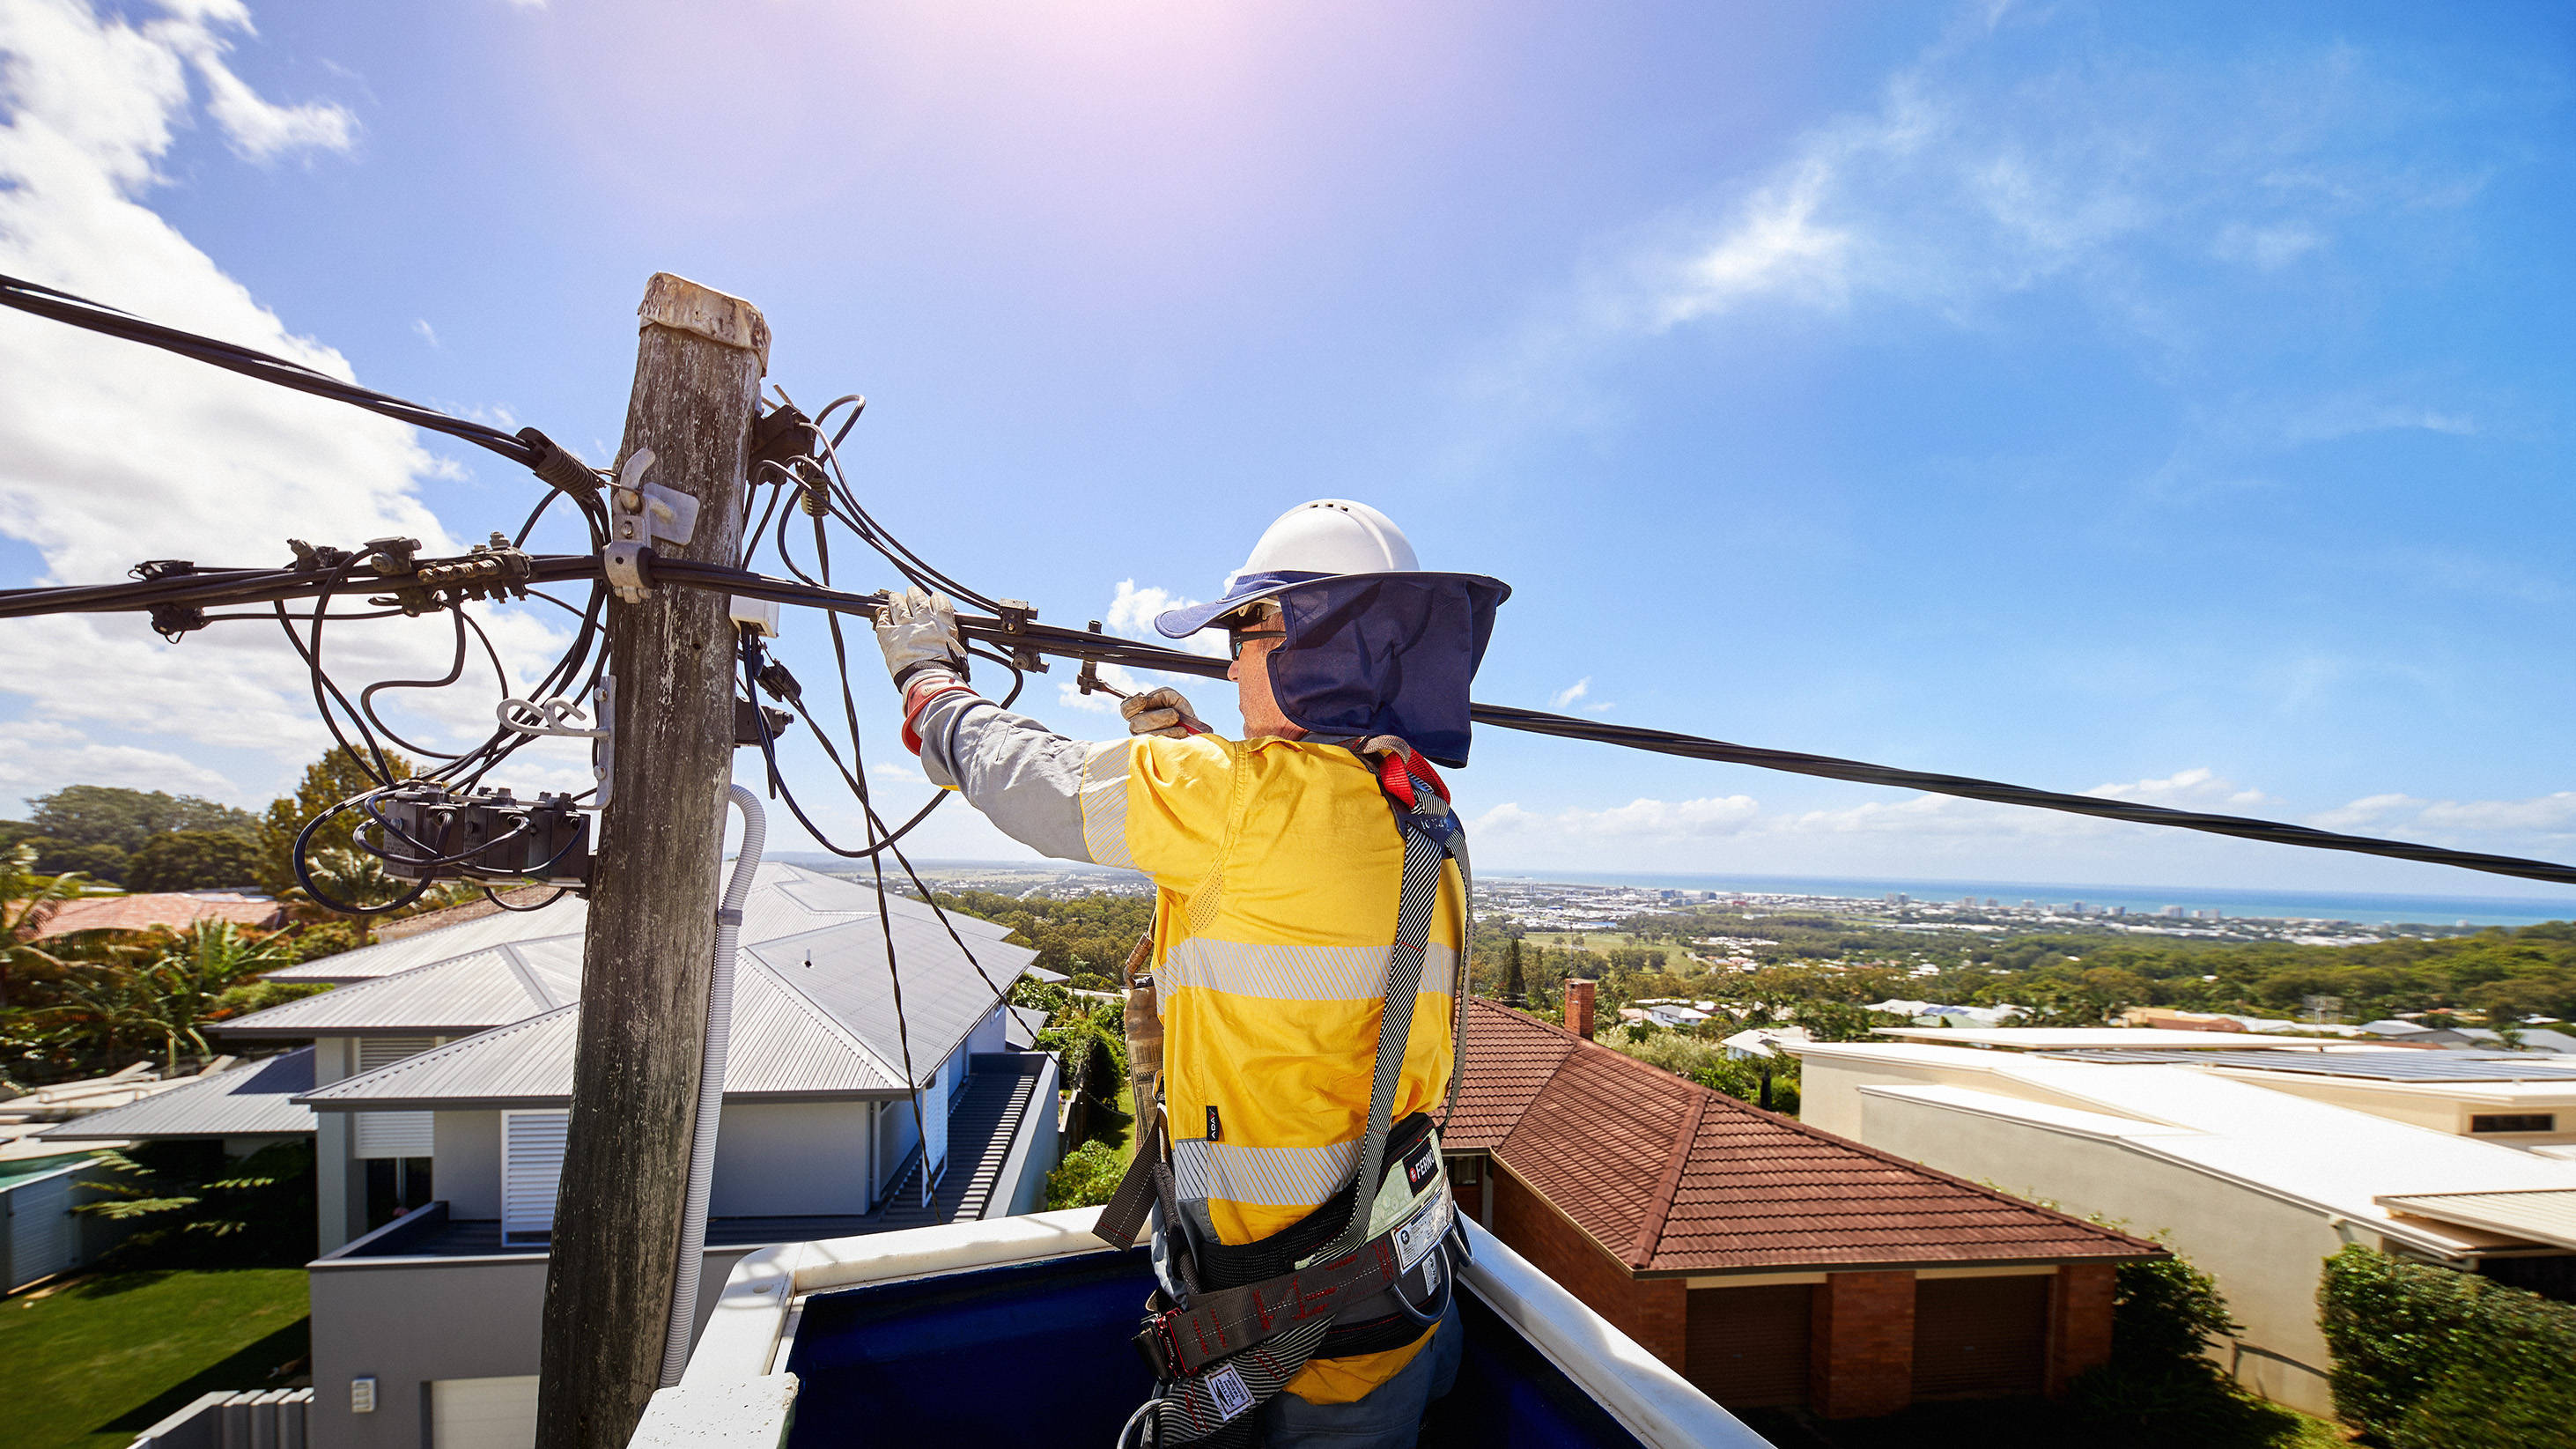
<point x="1747" y="1347"/>
<point x="1979" y="1337"/>
<point x="483" y="1413"/>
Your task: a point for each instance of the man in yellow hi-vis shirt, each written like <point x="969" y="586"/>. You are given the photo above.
<point x="1280" y="866"/>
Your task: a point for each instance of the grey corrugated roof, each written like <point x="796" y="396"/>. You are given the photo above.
<point x="247" y="1099"/>
<point x="473" y="992"/>
<point x="565" y="917"/>
<point x="783" y="1045"/>
<point x="1025" y="1024"/>
<point x="824" y="1029"/>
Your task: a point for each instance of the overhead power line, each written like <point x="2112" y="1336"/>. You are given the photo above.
<point x="815" y="477"/>
<point x="528" y="447"/>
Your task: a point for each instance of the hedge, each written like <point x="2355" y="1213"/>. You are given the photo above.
<point x="2426" y="1357"/>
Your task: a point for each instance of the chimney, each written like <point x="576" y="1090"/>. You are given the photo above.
<point x="1578" y="1007"/>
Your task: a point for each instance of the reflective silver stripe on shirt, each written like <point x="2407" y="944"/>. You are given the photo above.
<point x="1269" y="1176"/>
<point x="1297" y="973"/>
<point x="1104" y="804"/>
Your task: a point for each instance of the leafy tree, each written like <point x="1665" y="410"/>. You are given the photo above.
<point x="1515" y="986"/>
<point x="27" y="896"/>
<point x="63" y="857"/>
<point x="327" y="781"/>
<point x="1086" y="937"/>
<point x="1088" y="1177"/>
<point x="126" y="819"/>
<point x="186" y="860"/>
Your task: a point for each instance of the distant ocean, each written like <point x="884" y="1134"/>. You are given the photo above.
<point x="2140" y="900"/>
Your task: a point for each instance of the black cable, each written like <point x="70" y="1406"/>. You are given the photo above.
<point x="529" y="448"/>
<point x="1828" y="767"/>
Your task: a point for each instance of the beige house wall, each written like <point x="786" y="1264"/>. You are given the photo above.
<point x="2265" y="1253"/>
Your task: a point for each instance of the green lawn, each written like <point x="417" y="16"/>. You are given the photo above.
<point x="95" y="1363"/>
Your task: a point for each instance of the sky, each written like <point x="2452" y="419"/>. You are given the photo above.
<point x="2170" y="402"/>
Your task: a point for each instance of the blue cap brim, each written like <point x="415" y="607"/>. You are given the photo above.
<point x="1250" y="588"/>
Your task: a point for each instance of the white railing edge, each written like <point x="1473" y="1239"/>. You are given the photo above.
<point x="1659" y="1406"/>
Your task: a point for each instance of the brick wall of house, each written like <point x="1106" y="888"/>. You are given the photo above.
<point x="1655" y="1311"/>
<point x="2079" y="1321"/>
<point x="1861" y="1360"/>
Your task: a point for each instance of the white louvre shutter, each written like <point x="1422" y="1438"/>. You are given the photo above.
<point x="532" y="1154"/>
<point x="392" y="1134"/>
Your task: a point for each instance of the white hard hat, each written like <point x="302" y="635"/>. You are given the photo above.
<point x="1327" y="538"/>
<point x="1330" y="536"/>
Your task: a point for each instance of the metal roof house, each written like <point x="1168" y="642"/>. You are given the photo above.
<point x="437" y="1081"/>
<point x="2238" y="1160"/>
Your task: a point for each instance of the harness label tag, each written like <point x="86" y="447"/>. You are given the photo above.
<point x="1417" y="1235"/>
<point x="1227" y="1391"/>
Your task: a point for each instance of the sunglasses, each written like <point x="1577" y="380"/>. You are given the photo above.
<point x="1235" y="639"/>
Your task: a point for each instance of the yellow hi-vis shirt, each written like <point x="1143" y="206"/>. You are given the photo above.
<point x="1277" y="865"/>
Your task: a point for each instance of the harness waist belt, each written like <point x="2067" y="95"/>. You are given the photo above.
<point x="1179" y="1342"/>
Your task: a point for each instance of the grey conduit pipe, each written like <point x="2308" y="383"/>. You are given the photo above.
<point x="711" y="1074"/>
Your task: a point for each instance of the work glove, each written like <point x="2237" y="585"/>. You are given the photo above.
<point x="1160" y="712"/>
<point x="918" y="630"/>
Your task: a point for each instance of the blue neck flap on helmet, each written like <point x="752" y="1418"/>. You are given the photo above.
<point x="1385" y="654"/>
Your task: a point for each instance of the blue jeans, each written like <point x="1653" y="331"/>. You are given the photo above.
<point x="1387" y="1417"/>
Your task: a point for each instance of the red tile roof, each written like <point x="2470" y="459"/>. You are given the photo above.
<point x="1673" y="1178"/>
<point x="175" y="910"/>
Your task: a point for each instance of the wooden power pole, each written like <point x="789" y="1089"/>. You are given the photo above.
<point x="653" y="885"/>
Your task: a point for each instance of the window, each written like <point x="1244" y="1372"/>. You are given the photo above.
<point x="395" y="1185"/>
<point x="394" y="1135"/>
<point x="2514" y="1122"/>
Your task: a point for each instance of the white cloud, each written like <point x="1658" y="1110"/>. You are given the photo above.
<point x="259" y="130"/>
<point x="1775" y="246"/>
<point x="111" y="453"/>
<point x="427" y="333"/>
<point x="2014" y="156"/>
<point x="37" y="755"/>
<point x="2553" y="814"/>
<point x="1570" y="693"/>
<point x="1132" y="613"/>
<point x="1640" y="819"/>
<point x="2199" y="789"/>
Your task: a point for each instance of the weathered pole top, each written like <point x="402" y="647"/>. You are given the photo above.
<point x="678" y="303"/>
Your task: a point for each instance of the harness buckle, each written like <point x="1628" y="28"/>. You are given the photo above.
<point x="1158" y="1346"/>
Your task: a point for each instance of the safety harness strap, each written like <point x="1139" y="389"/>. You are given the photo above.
<point x="1223" y="1352"/>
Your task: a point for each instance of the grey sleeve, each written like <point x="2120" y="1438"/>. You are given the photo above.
<point x="1027" y="779"/>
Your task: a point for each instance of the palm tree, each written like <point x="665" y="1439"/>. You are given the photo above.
<point x="352" y="877"/>
<point x="170" y="998"/>
<point x="26" y="899"/>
